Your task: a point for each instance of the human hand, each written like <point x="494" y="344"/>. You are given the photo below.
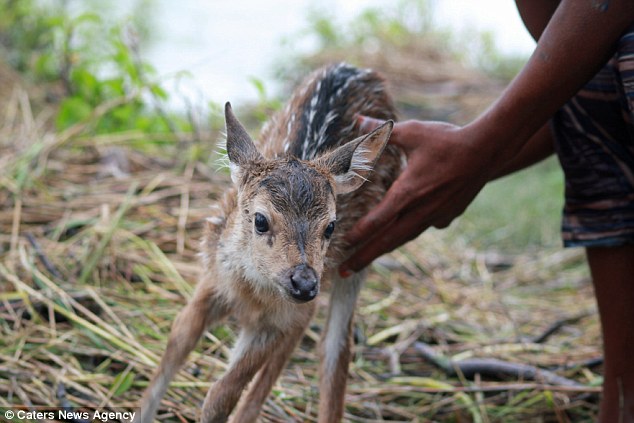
<point x="444" y="173"/>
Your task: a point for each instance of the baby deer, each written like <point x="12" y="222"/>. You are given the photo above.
<point x="271" y="242"/>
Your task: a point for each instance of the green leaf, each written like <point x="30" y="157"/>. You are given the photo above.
<point x="258" y="84"/>
<point x="158" y="91"/>
<point x="87" y="17"/>
<point x="113" y="87"/>
<point x="45" y="66"/>
<point x="86" y="85"/>
<point x="122" y="382"/>
<point x="71" y="111"/>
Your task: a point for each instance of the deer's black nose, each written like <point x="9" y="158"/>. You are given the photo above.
<point x="304" y="283"/>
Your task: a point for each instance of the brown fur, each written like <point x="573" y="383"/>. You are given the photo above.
<point x="252" y="274"/>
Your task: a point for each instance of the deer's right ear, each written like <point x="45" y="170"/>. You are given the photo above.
<point x="352" y="163"/>
<point x="240" y="147"/>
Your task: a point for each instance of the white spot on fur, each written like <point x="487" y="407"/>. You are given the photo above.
<point x="320" y="137"/>
<point x="312" y="110"/>
<point x="289" y="125"/>
<point x="215" y="220"/>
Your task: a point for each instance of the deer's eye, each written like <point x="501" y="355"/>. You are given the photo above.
<point x="329" y="230"/>
<point x="261" y="224"/>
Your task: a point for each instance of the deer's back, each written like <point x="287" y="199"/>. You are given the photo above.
<point x="319" y="117"/>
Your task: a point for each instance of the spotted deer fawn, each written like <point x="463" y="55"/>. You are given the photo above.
<point x="271" y="242"/>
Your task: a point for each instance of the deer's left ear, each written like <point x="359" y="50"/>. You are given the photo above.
<point x="352" y="163"/>
<point x="240" y="147"/>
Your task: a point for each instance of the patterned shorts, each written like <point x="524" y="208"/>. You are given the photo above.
<point x="594" y="135"/>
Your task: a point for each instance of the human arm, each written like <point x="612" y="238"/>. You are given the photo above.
<point x="538" y="147"/>
<point x="448" y="165"/>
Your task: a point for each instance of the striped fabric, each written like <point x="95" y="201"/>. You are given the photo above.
<point x="594" y="135"/>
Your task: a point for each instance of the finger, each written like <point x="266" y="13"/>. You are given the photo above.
<point x="409" y="225"/>
<point x="379" y="217"/>
<point x="402" y="132"/>
<point x="368" y="124"/>
<point x="388" y="239"/>
<point x="407" y="134"/>
<point x="375" y="247"/>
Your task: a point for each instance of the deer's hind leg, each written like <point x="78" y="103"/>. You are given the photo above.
<point x="250" y="405"/>
<point x="200" y="312"/>
<point x="335" y="347"/>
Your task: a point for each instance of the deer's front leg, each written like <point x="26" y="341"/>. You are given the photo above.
<point x="250" y="406"/>
<point x="201" y="311"/>
<point x="335" y="347"/>
<point x="253" y="347"/>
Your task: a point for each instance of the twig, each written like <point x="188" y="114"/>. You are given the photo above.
<point x="411" y="385"/>
<point x="491" y="368"/>
<point x="550" y="330"/>
<point x="586" y="364"/>
<point x="65" y="403"/>
<point x="42" y="257"/>
<point x="15" y="224"/>
<point x="67" y="61"/>
<point x="17" y="303"/>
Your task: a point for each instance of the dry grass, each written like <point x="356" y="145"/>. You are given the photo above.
<point x="98" y="247"/>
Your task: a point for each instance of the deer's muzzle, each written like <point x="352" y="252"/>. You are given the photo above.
<point x="304" y="283"/>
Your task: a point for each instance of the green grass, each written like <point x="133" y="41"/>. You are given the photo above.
<point x="521" y="211"/>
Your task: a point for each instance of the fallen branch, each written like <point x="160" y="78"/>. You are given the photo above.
<point x="490" y="367"/>
<point x="550" y="330"/>
<point x="411" y="383"/>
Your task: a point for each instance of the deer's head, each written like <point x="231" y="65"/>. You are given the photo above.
<point x="286" y="211"/>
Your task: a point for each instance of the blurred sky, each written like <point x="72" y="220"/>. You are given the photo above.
<point x="223" y="43"/>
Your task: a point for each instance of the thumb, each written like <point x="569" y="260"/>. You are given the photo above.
<point x="368" y="124"/>
<point x="401" y="132"/>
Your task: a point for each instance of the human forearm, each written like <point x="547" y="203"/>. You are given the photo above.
<point x="537" y="148"/>
<point x="578" y="40"/>
<point x="448" y="165"/>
